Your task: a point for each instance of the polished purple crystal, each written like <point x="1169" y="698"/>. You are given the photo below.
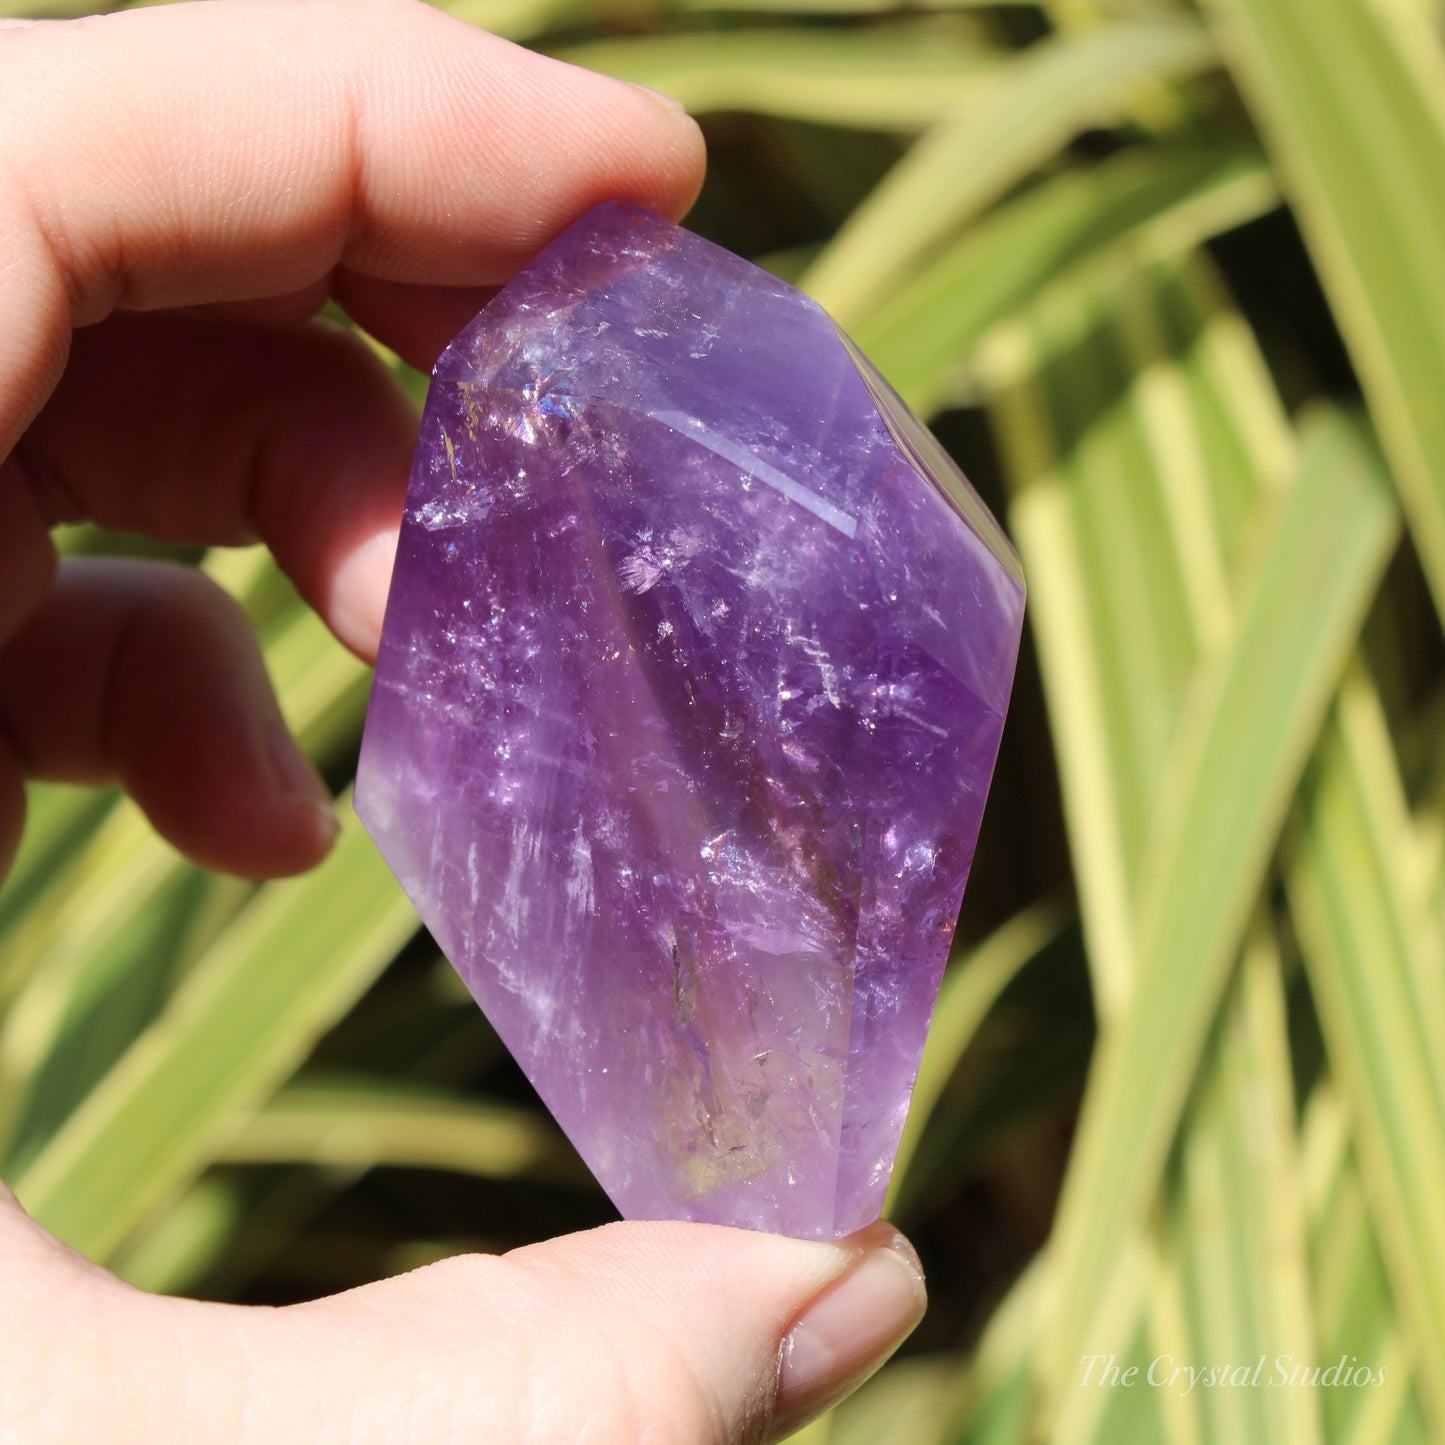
<point x="694" y="668"/>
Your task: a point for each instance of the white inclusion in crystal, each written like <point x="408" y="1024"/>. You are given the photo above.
<point x="579" y="879"/>
<point x="444" y="512"/>
<point x="730" y="451"/>
<point x="639" y="572"/>
<point x="817" y="654"/>
<point x="643" y="568"/>
<point x="510" y="906"/>
<point x="778" y="941"/>
<point x="519" y="426"/>
<point x="708" y="335"/>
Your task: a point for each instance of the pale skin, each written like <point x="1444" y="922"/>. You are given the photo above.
<point x="181" y="189"/>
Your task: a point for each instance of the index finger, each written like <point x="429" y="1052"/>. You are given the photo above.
<point x="232" y="149"/>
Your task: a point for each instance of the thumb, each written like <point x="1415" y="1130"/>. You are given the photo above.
<point x="675" y="1334"/>
<point x="659" y="1332"/>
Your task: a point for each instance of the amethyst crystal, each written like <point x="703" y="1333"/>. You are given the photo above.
<point x="694" y="668"/>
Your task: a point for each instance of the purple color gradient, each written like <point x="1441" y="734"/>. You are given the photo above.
<point x="694" y="668"/>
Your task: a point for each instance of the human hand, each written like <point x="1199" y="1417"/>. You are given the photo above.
<point x="186" y="186"/>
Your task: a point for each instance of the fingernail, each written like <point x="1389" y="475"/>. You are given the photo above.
<point x="671" y="102"/>
<point x="850" y="1330"/>
<point x="296" y="780"/>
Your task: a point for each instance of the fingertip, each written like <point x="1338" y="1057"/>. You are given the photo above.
<point x="198" y="741"/>
<point x="30" y="557"/>
<point x="794" y="1326"/>
<point x="276" y="140"/>
<point x="12" y="805"/>
<point x="298" y="795"/>
<point x="850" y="1329"/>
<point x="686" y="154"/>
<point x="251" y="806"/>
<point x="416" y="322"/>
<point x="303" y="435"/>
<point x="355" y="602"/>
<point x="149" y="675"/>
<point x="603" y="139"/>
<point x="292" y="777"/>
<point x="670" y="103"/>
<point x="673" y="153"/>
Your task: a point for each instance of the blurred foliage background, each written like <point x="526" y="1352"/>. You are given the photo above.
<point x="1169" y="280"/>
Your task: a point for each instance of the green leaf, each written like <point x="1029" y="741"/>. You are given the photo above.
<point x="1242" y="1216"/>
<point x="1112" y="445"/>
<point x="361" y="1123"/>
<point x="58" y="822"/>
<point x="1147" y="202"/>
<point x="96" y="938"/>
<point x="1037" y="103"/>
<point x="192" y="1232"/>
<point x="247" y="1015"/>
<point x="1354" y="1310"/>
<point x="1165" y="361"/>
<point x="93" y="917"/>
<point x="970" y="988"/>
<point x="1373" y="955"/>
<point x="904" y="78"/>
<point x="1352" y="106"/>
<point x="1221" y="816"/>
<point x="46" y="9"/>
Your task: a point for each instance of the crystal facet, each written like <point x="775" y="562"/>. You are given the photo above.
<point x="694" y="668"/>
